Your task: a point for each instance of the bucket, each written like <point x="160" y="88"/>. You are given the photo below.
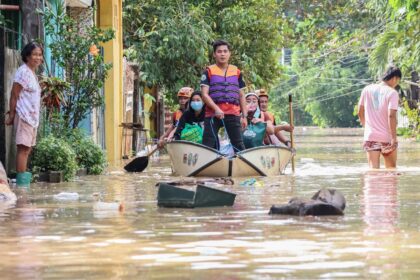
<point x="23" y="179"/>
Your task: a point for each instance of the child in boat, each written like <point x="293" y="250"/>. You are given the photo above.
<point x="190" y="125"/>
<point x="258" y="123"/>
<point x="183" y="96"/>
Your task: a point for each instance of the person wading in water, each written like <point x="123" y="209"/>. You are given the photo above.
<point x="378" y="107"/>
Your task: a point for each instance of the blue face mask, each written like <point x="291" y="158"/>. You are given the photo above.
<point x="196" y="105"/>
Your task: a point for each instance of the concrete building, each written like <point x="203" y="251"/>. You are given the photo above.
<point x="24" y="25"/>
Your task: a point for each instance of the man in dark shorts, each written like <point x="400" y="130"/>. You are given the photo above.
<point x="378" y="107"/>
<point x="222" y="87"/>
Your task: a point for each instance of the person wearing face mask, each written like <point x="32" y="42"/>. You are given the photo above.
<point x="190" y="125"/>
<point x="258" y="123"/>
<point x="183" y="97"/>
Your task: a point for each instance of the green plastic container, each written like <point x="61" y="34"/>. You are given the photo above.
<point x="209" y="197"/>
<point x="171" y="196"/>
<point x="23" y="179"/>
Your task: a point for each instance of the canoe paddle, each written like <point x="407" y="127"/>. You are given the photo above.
<point x="292" y="145"/>
<point x="138" y="164"/>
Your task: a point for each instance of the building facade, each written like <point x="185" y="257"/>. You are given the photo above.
<point x="24" y="24"/>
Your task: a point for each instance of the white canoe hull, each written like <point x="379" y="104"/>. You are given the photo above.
<point x="191" y="159"/>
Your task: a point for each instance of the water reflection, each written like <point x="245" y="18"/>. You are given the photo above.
<point x="92" y="237"/>
<point x="27" y="253"/>
<point x="380" y="202"/>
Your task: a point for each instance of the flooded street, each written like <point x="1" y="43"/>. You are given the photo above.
<point x="86" y="236"/>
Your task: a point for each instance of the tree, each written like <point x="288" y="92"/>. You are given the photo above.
<point x="171" y="40"/>
<point x="73" y="48"/>
<point x="398" y="43"/>
<point x="329" y="41"/>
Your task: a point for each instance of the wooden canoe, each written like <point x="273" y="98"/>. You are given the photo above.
<point x="192" y="159"/>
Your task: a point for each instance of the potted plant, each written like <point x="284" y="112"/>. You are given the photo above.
<point x="89" y="156"/>
<point x="53" y="90"/>
<point x="55" y="155"/>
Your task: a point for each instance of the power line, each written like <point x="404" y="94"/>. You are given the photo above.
<point x="316" y="98"/>
<point x="301" y="106"/>
<point x="342" y="46"/>
<point x="313" y="77"/>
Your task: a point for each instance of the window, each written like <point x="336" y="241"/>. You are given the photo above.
<point x="11" y="25"/>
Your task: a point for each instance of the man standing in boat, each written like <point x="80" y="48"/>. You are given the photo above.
<point x="278" y="136"/>
<point x="222" y="87"/>
<point x="378" y="107"/>
<point x="183" y="97"/>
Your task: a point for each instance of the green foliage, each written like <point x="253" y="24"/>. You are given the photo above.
<point x="328" y="40"/>
<point x="54" y="154"/>
<point x="53" y="89"/>
<point x="88" y="154"/>
<point x="398" y="42"/>
<point x="2" y="19"/>
<point x="252" y="28"/>
<point x="413" y="114"/>
<point x="169" y="40"/>
<point x="85" y="71"/>
<point x="172" y="39"/>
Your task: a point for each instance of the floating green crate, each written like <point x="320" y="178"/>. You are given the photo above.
<point x="171" y="196"/>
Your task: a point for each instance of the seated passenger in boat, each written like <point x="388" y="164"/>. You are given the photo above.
<point x="277" y="138"/>
<point x="184" y="95"/>
<point x="258" y="123"/>
<point x="190" y="125"/>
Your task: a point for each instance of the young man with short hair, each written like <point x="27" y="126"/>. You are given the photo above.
<point x="222" y="87"/>
<point x="378" y="107"/>
<point x="263" y="95"/>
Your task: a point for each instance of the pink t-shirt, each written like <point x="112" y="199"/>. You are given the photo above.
<point x="377" y="99"/>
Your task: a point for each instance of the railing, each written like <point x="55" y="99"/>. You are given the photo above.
<point x="11" y="38"/>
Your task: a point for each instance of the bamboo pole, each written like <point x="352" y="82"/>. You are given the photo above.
<point x="292" y="144"/>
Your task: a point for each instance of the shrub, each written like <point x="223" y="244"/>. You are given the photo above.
<point x="90" y="156"/>
<point x="54" y="154"/>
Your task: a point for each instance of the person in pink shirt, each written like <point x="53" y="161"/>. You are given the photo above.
<point x="378" y="107"/>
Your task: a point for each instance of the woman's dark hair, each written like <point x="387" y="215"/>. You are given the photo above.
<point x="219" y="43"/>
<point x="197" y="92"/>
<point x="27" y="50"/>
<point x="392" y="72"/>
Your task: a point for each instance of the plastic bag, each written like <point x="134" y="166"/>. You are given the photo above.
<point x="192" y="133"/>
<point x="254" y="134"/>
<point x="226" y="148"/>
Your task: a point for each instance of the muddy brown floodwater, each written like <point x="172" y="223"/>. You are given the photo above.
<point x="85" y="236"/>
